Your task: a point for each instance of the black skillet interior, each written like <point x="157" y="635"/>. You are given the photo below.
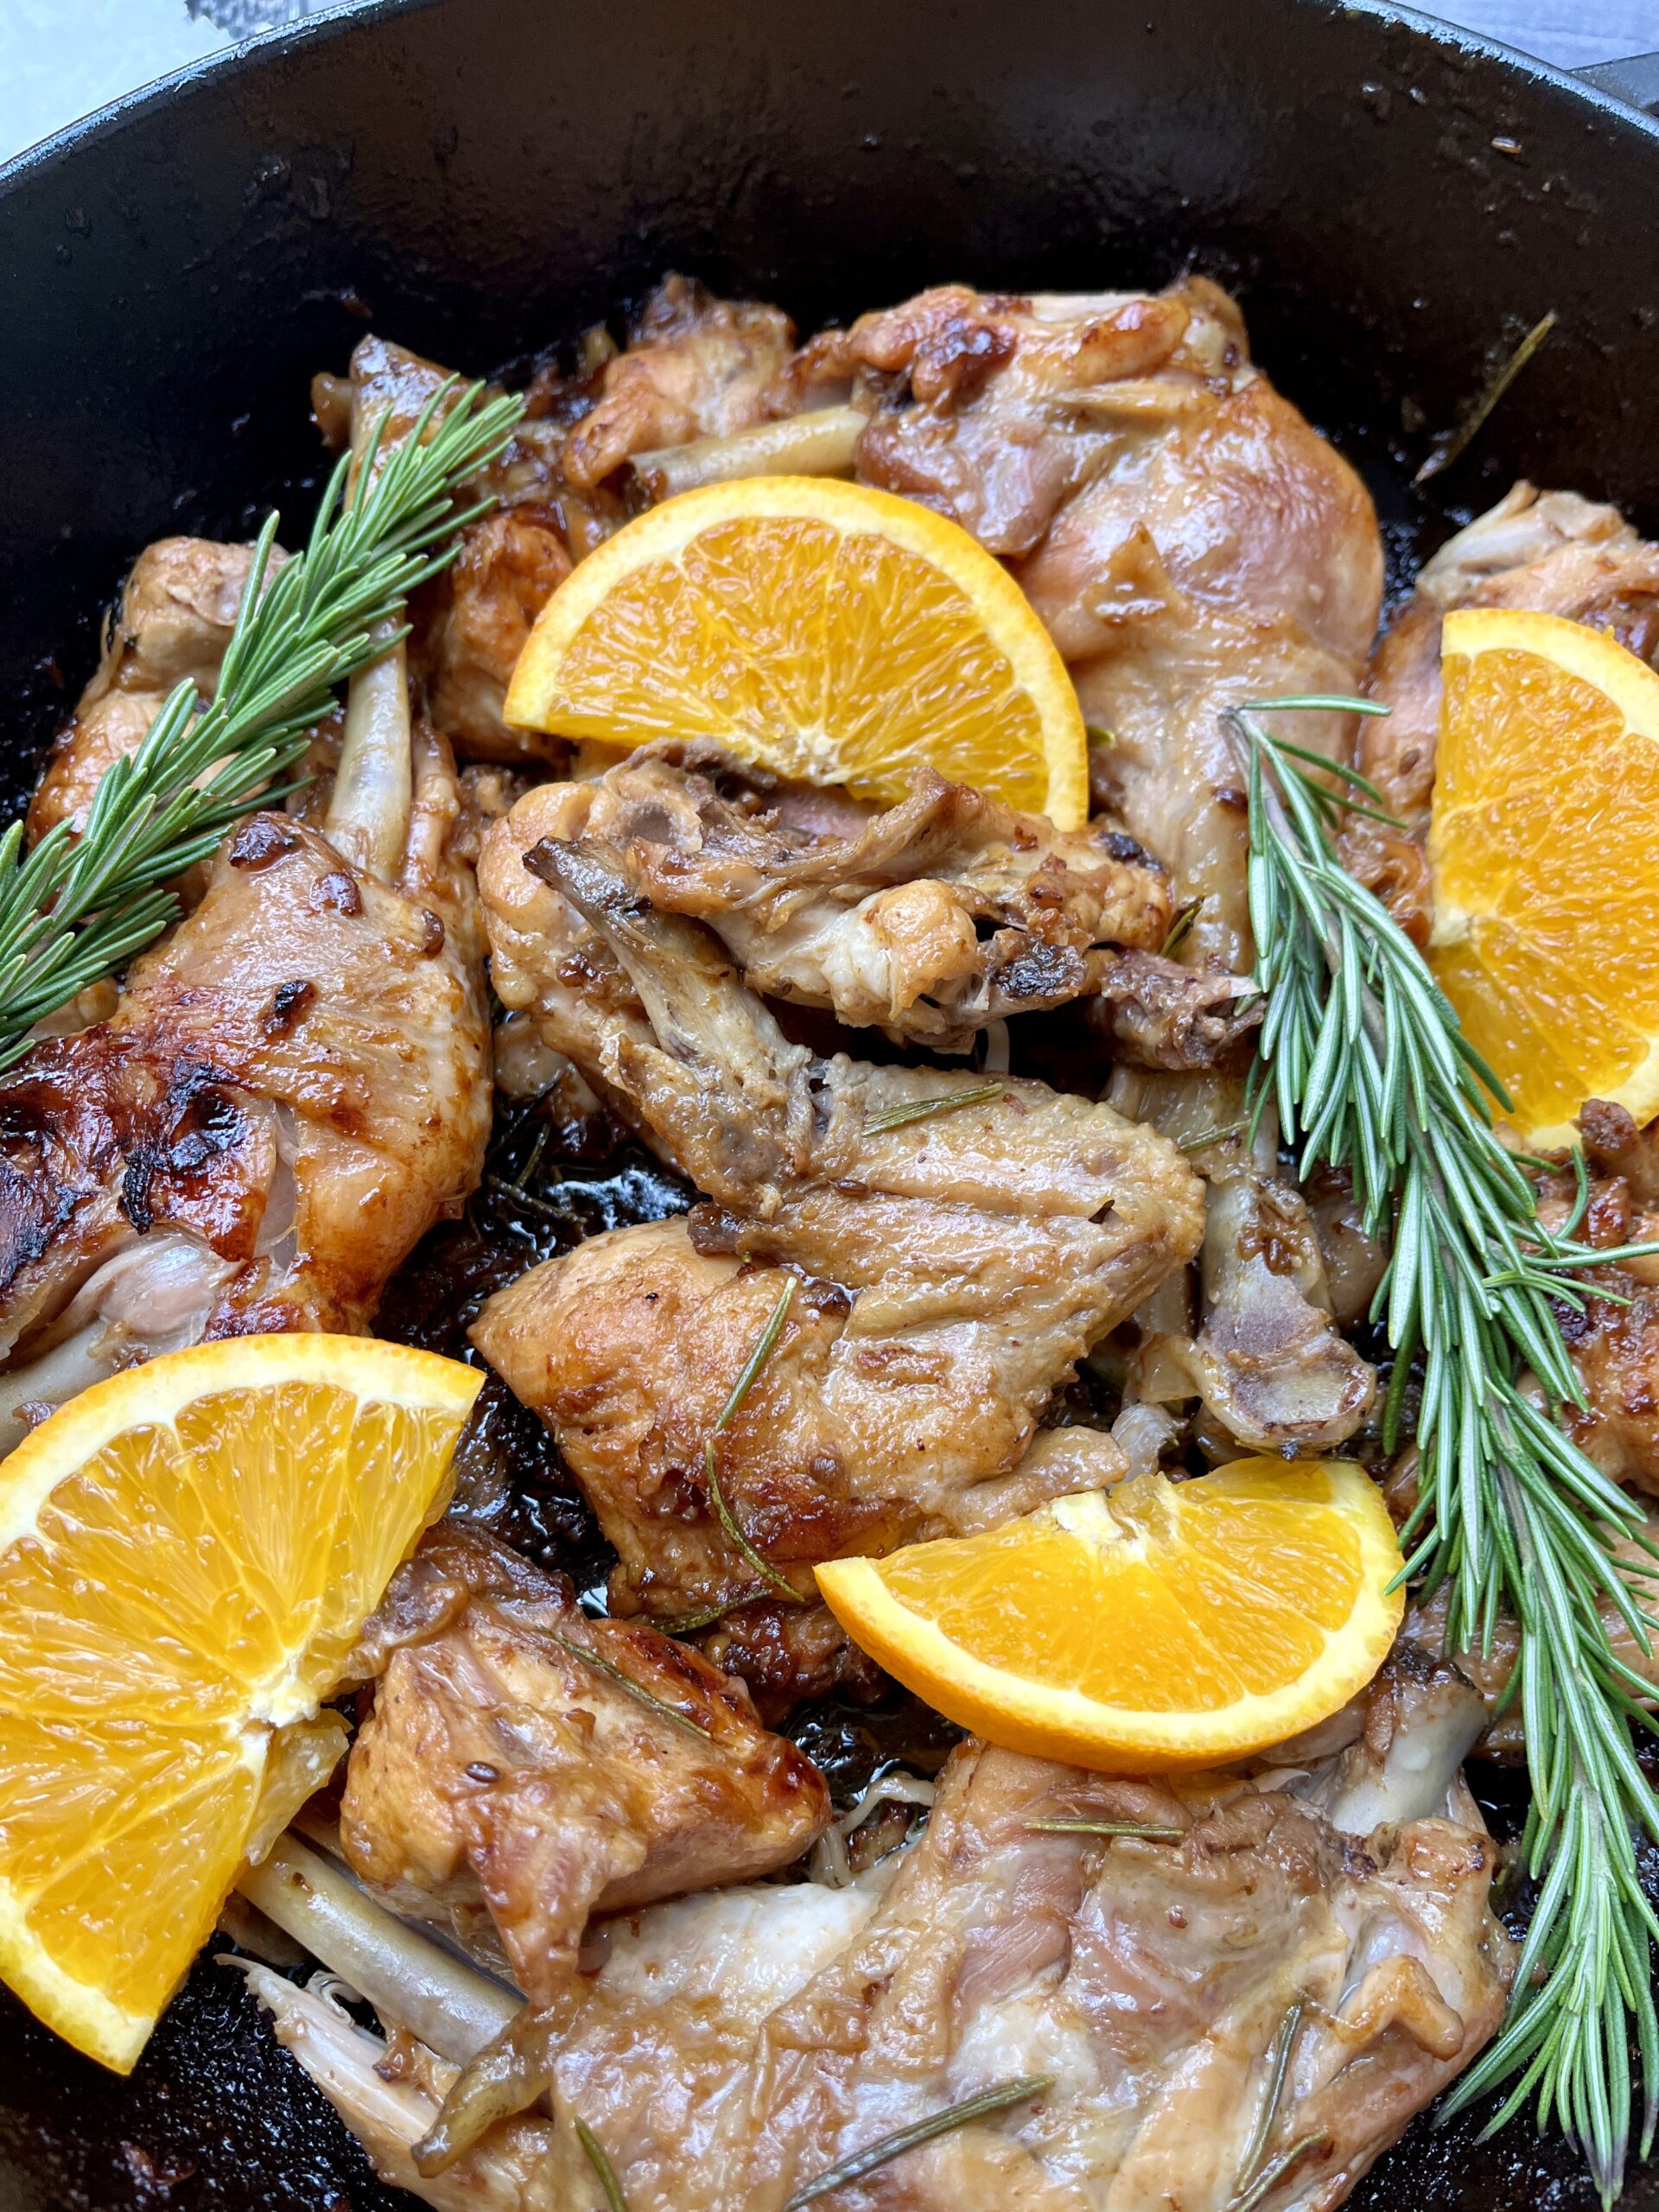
<point x="1395" y="203"/>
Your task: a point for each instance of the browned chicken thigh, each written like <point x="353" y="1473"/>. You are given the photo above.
<point x="950" y="1266"/>
<point x="525" y="1764"/>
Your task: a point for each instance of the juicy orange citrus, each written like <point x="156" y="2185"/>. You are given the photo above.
<point x="1156" y="1626"/>
<point x="187" y="1553"/>
<point x="822" y="629"/>
<point x="1545" y="887"/>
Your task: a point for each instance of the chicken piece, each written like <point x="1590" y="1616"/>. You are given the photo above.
<point x="1189" y="541"/>
<point x="696" y="366"/>
<point x="732" y="2048"/>
<point x="481" y="612"/>
<point x="1269" y="1360"/>
<point x="176" y="615"/>
<point x="293" y="1087"/>
<point x="927" y="919"/>
<point x="526" y="1765"/>
<point x="1152" y="1012"/>
<point x="950" y="1268"/>
<point x="1614" y="1342"/>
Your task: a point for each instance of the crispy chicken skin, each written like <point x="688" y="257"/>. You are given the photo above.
<point x="951" y="1269"/>
<point x="506" y="1786"/>
<point x="926" y="919"/>
<point x="1188" y="539"/>
<point x="1548" y="553"/>
<point x="176" y="618"/>
<point x="293" y="1086"/>
<point x="1150" y="1980"/>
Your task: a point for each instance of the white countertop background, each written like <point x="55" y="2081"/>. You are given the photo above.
<point x="59" y="58"/>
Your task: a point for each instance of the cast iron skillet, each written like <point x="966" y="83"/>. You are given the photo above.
<point x="1394" y="202"/>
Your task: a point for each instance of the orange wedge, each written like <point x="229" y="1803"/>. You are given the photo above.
<point x="823" y="630"/>
<point x="1546" y="933"/>
<point x="188" y="1552"/>
<point x="1156" y="1626"/>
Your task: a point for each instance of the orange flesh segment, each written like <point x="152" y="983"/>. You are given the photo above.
<point x="1155" y="1624"/>
<point x="825" y="630"/>
<point x="169" y="1601"/>
<point x="1546" y="896"/>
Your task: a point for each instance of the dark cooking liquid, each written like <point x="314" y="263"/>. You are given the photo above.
<point x="216" y="2114"/>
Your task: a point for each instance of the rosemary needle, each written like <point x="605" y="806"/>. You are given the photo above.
<point x="1108" y="1827"/>
<point x="77" y="908"/>
<point x="921" y="2130"/>
<point x="1271" y="2175"/>
<point x="602" y="2167"/>
<point x="626" y="1681"/>
<point x="1283" y="2043"/>
<point x="923" y="1109"/>
<point x="1364" y="1058"/>
<point x="756" y="1360"/>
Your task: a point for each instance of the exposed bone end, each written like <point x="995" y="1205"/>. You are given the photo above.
<point x="369" y="813"/>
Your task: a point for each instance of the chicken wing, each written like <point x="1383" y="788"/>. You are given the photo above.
<point x="1189" y="541"/>
<point x="526" y="1765"/>
<point x="951" y="1263"/>
<point x="1163" y="1984"/>
<point x="926" y="919"/>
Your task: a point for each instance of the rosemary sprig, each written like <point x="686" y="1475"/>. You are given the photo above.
<point x="999" y="2099"/>
<point x="76" y="909"/>
<point x="1364" y="1058"/>
<point x="924" y="1109"/>
<point x="595" y="2152"/>
<point x="1180" y="929"/>
<point x="624" y="1681"/>
<point x="757" y="1359"/>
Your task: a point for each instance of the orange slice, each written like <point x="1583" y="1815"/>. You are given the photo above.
<point x="1156" y="1626"/>
<point x="188" y="1552"/>
<point x="821" y="629"/>
<point x="1546" y="933"/>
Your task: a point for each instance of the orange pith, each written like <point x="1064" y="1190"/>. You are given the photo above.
<point x="1156" y="1624"/>
<point x="1547" y="894"/>
<point x="188" y="1552"/>
<point x="821" y="629"/>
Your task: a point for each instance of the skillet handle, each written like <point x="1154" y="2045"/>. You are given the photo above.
<point x="1635" y="80"/>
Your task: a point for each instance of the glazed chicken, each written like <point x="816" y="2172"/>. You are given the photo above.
<point x="292" y="1088"/>
<point x="525" y="1764"/>
<point x="1189" y="541"/>
<point x="1337" y="1918"/>
<point x="949" y="1266"/>
<point x="927" y="919"/>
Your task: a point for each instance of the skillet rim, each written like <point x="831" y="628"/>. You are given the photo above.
<point x="37" y="161"/>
